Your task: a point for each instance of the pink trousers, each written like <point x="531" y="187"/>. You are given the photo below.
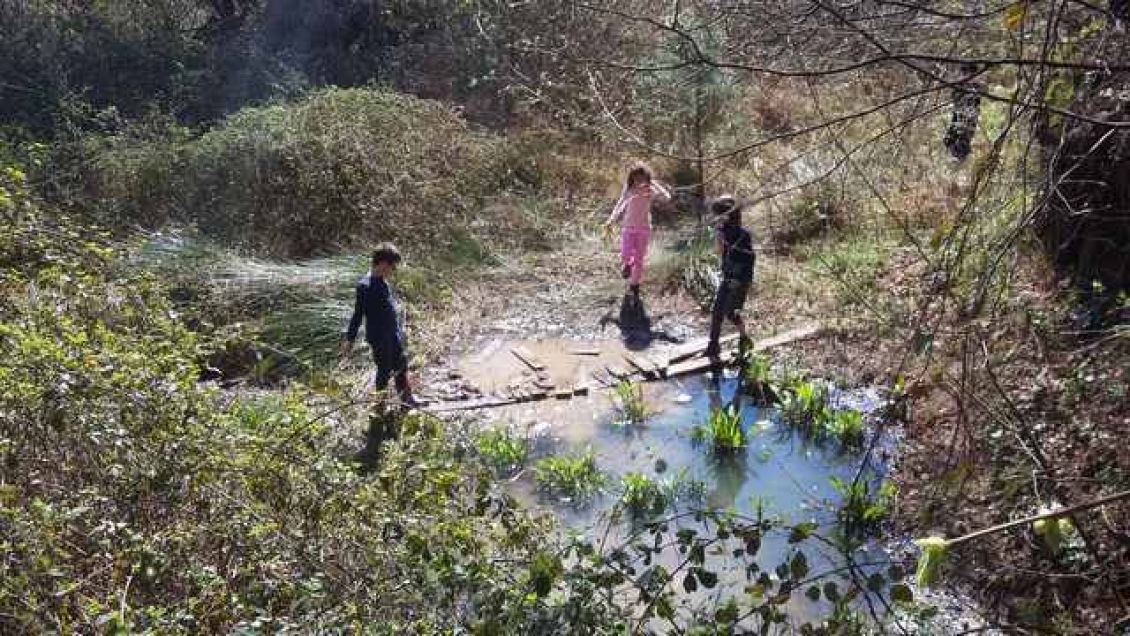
<point x="633" y="250"/>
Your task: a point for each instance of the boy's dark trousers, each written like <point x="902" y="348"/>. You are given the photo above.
<point x="392" y="363"/>
<point x="728" y="302"/>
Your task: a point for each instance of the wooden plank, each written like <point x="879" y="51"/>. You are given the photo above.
<point x="646" y="365"/>
<point x="661" y="363"/>
<point x="585" y="351"/>
<point x="804" y="332"/>
<point x="525" y="356"/>
<point x="602" y="378"/>
<point x="617" y="372"/>
<point x="467" y="405"/>
<point x="582" y="387"/>
<point x="696" y="347"/>
<point x="730" y="354"/>
<point x="700" y="364"/>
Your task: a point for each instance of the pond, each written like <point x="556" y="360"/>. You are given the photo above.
<point x="780" y="475"/>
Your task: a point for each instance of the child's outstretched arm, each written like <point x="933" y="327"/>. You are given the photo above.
<point x="658" y="188"/>
<point x="618" y="210"/>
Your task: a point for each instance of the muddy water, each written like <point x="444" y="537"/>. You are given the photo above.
<point x="783" y="474"/>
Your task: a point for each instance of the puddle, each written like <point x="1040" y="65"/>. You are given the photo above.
<point x="779" y="473"/>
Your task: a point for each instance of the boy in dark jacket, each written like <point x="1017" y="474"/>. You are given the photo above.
<point x="735" y="244"/>
<point x="376" y="307"/>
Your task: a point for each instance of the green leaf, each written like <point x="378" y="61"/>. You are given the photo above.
<point x="664" y="609"/>
<point x="544" y="572"/>
<point x="707" y="578"/>
<point x="799" y="566"/>
<point x="876" y="582"/>
<point x="753" y="544"/>
<point x="831" y="592"/>
<point x="689" y="582"/>
<point x="728" y="613"/>
<point x="901" y="594"/>
<point x="1014" y="15"/>
<point x="813" y="593"/>
<point x="802" y="531"/>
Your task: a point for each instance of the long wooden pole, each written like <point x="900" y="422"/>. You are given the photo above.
<point x="1062" y="512"/>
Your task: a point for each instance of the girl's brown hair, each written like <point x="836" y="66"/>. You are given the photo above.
<point x="638" y="169"/>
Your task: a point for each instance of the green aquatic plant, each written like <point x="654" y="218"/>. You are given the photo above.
<point x="758" y="378"/>
<point x="863" y="510"/>
<point x="757" y="369"/>
<point x="629" y="400"/>
<point x="502" y="449"/>
<point x="644" y="495"/>
<point x="576" y="477"/>
<point x="847" y="426"/>
<point x="806" y="405"/>
<point x="683" y="487"/>
<point x="722" y="431"/>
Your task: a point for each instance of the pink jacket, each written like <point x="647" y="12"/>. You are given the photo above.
<point x="634" y="206"/>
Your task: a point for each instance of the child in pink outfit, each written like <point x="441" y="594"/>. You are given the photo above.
<point x="634" y="209"/>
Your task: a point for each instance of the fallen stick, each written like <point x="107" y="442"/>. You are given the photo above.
<point x="1062" y="512"/>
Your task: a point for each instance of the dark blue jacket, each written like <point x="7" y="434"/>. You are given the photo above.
<point x="737" y="256"/>
<point x="376" y="305"/>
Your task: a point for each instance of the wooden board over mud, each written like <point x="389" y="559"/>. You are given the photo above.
<point x="564" y="376"/>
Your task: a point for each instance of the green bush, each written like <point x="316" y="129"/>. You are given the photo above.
<point x="134" y="499"/>
<point x="338" y="167"/>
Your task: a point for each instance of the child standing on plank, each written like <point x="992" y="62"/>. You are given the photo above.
<point x="376" y="306"/>
<point x="634" y="210"/>
<point x="735" y="244"/>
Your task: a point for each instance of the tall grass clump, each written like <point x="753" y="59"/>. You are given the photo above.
<point x="227" y="285"/>
<point x="294" y="311"/>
